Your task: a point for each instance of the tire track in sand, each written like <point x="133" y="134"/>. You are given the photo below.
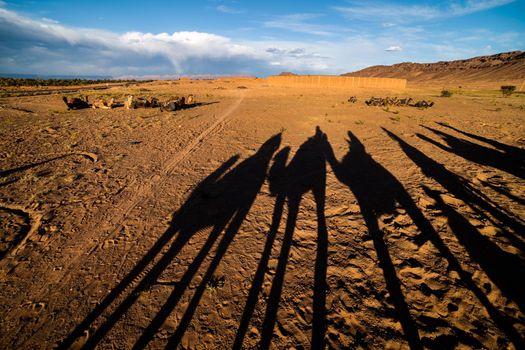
<point x="142" y="190"/>
<point x="139" y="193"/>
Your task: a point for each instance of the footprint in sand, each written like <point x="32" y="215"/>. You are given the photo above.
<point x="34" y="306"/>
<point x="109" y="243"/>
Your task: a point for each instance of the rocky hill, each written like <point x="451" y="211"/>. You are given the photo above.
<point x="499" y="67"/>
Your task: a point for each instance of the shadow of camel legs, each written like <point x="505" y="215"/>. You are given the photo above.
<point x="175" y="227"/>
<point x="276" y="177"/>
<point x="235" y="191"/>
<point x="306" y="172"/>
<point x="461" y="188"/>
<point x="377" y="192"/>
<point x="501" y="267"/>
<point x="501" y="320"/>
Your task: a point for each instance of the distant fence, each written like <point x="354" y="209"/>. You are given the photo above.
<point x="336" y="81"/>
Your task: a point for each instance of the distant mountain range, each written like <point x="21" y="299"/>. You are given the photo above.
<point x="499" y="67"/>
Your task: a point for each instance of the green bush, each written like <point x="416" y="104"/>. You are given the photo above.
<point x="507" y="90"/>
<point x="446" y="93"/>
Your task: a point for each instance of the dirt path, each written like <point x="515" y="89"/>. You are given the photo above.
<point x="131" y="196"/>
<point x="274" y="218"/>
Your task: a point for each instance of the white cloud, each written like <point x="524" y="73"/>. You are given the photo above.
<point x="389" y="12"/>
<point x="229" y="10"/>
<point x="44" y="47"/>
<point x="180" y="51"/>
<point x="49" y="20"/>
<point x="472" y="6"/>
<point x="393" y="48"/>
<point x="392" y="13"/>
<point x="298" y="23"/>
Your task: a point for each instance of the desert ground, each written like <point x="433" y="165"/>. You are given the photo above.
<point x="263" y="217"/>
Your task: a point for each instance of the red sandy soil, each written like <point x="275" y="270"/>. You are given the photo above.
<point x="265" y="217"/>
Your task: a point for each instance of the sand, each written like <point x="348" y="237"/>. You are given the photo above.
<point x="267" y="217"/>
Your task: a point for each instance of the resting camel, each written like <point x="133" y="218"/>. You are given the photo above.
<point x="423" y="104"/>
<point x="141" y="102"/>
<point x="173" y="104"/>
<point x="101" y="103"/>
<point x="76" y="102"/>
<point x="136" y="102"/>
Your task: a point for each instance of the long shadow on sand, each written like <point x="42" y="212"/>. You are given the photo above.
<point x="477" y="153"/>
<point x="463" y="190"/>
<point x="233" y="192"/>
<point x="222" y="201"/>
<point x="276" y="176"/>
<point x="305" y="172"/>
<point x="377" y="192"/>
<point x="517" y="153"/>
<point x="476" y="246"/>
<point x="501" y="267"/>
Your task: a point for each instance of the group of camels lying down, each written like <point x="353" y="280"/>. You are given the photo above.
<point x="394" y="101"/>
<point x="131" y="102"/>
<point x="401" y="102"/>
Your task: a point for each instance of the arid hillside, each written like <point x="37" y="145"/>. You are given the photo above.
<point x="508" y="66"/>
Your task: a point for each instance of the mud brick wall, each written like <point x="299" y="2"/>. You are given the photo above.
<point x="336" y="81"/>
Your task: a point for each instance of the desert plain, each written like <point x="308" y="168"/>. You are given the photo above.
<point x="263" y="217"/>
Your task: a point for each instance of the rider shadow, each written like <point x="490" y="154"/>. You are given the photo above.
<point x="377" y="191"/>
<point x="460" y="188"/>
<point x="477" y="153"/>
<point x="501" y="267"/>
<point x="516" y="152"/>
<point x="305" y="172"/>
<point x="221" y="202"/>
<point x="277" y="189"/>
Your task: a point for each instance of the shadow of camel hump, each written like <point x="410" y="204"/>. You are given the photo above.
<point x="477" y="153"/>
<point x="223" y="197"/>
<point x="377" y="192"/>
<point x="516" y="152"/>
<point x="306" y="172"/>
<point x="460" y="188"/>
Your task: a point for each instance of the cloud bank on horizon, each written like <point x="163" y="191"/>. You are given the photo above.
<point x="226" y="37"/>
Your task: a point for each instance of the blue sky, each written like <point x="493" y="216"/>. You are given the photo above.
<point x="131" y="38"/>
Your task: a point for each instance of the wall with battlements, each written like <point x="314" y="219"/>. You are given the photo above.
<point x="336" y="81"/>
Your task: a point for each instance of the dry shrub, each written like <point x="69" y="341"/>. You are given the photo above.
<point x="446" y="93"/>
<point x="507" y="90"/>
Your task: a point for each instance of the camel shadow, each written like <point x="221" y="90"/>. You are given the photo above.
<point x="476" y="245"/>
<point x="516" y="152"/>
<point x="477" y="153"/>
<point x="220" y="202"/>
<point x="305" y="172"/>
